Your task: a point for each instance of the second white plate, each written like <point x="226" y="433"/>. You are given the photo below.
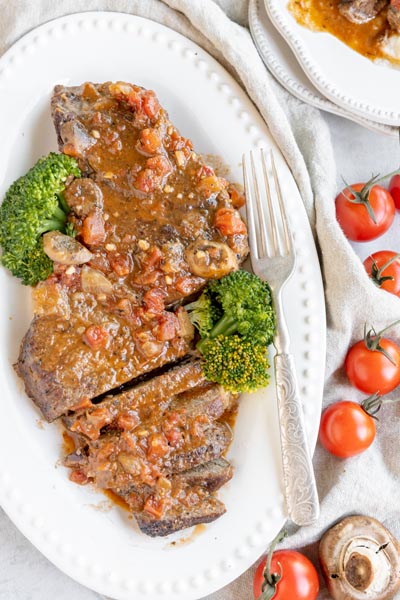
<point x="366" y="88"/>
<point x="282" y="63"/>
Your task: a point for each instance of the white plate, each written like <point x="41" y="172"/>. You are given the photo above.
<point x="104" y="550"/>
<point x="281" y="62"/>
<point x="367" y="88"/>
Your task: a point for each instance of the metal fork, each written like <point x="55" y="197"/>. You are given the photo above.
<point x="273" y="260"/>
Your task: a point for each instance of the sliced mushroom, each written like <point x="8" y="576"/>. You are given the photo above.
<point x="75" y="137"/>
<point x="84" y="196"/>
<point x="94" y="282"/>
<point x="360" y="560"/>
<point x="211" y="260"/>
<point x="65" y="249"/>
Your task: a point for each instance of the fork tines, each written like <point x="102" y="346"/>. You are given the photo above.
<point x="267" y="221"/>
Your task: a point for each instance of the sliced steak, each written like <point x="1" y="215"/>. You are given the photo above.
<point x="129" y="408"/>
<point x="361" y="11"/>
<point x="120" y="461"/>
<point x="209" y="476"/>
<point x="164" y="207"/>
<point x="180" y="517"/>
<point x="62" y="372"/>
<point x="393" y="15"/>
<point x="189" y="502"/>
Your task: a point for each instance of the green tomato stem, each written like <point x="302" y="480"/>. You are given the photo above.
<point x="268" y="588"/>
<point x="386" y="265"/>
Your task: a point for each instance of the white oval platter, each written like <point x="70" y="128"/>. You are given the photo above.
<point x="103" y="549"/>
<point x="281" y="62"/>
<point x="364" y="87"/>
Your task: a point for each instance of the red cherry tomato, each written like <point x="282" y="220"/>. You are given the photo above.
<point x="385" y="277"/>
<point x="356" y="221"/>
<point x="346" y="429"/>
<point x="370" y="370"/>
<point x="299" y="578"/>
<point x="394" y="189"/>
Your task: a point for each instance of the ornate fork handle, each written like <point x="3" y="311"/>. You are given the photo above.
<point x="301" y="493"/>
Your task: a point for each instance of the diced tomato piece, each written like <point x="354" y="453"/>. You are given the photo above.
<point x="146" y="181"/>
<point x="205" y="171"/>
<point x="155" y="506"/>
<point x="167" y="328"/>
<point x="134" y="100"/>
<point x="127" y="421"/>
<point x="229" y="221"/>
<point x="147" y="278"/>
<point x="174" y="436"/>
<point x="153" y="257"/>
<point x="95" y="336"/>
<point x="121" y="264"/>
<point x="238" y="200"/>
<point x="149" y="141"/>
<point x="211" y="185"/>
<point x="93" y="231"/>
<point x="150" y="104"/>
<point x="186" y="285"/>
<point x="171" y="420"/>
<point x="83" y="404"/>
<point x="78" y="477"/>
<point x="154" y="300"/>
<point x="157" y="445"/>
<point x="160" y="165"/>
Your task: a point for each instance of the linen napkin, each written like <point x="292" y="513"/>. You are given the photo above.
<point x="366" y="484"/>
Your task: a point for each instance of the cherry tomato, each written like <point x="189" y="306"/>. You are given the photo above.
<point x="299" y="579"/>
<point x="356" y="221"/>
<point x="394" y="189"/>
<point x="346" y="429"/>
<point x="370" y="370"/>
<point x="385" y="277"/>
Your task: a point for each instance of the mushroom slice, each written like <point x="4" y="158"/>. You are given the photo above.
<point x="211" y="260"/>
<point x="64" y="249"/>
<point x="360" y="560"/>
<point x="95" y="282"/>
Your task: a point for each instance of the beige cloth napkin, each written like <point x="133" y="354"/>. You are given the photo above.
<point x="366" y="484"/>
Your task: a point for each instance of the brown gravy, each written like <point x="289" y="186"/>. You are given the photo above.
<point x="324" y="15"/>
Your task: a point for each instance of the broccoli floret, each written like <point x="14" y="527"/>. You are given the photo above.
<point x="236" y="363"/>
<point x="236" y="322"/>
<point x="33" y="205"/>
<point x="245" y="303"/>
<point x="203" y="313"/>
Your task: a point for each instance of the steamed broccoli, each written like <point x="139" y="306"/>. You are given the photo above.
<point x="244" y="303"/>
<point x="33" y="205"/>
<point x="204" y="313"/>
<point x="236" y="322"/>
<point x="235" y="363"/>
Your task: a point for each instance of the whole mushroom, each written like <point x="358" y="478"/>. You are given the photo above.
<point x="360" y="560"/>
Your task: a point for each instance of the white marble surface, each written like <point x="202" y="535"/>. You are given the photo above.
<point x="24" y="573"/>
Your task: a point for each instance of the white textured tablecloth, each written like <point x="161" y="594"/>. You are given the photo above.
<point x="368" y="483"/>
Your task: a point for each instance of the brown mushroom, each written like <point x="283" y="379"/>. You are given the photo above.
<point x="65" y="249"/>
<point x="360" y="560"/>
<point x="211" y="260"/>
